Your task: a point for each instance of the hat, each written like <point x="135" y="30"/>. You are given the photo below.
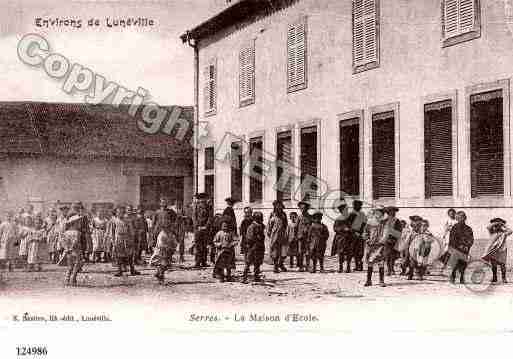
<point x="317" y="215"/>
<point x="277" y="202"/>
<point x="498" y="221"/>
<point x="201" y="195"/>
<point x="415" y="218"/>
<point x="303" y="203"/>
<point x="341" y="207"/>
<point x="381" y="209"/>
<point x="357" y="202"/>
<point x="391" y="209"/>
<point x="78" y="205"/>
<point x="231" y="200"/>
<point x="63" y="206"/>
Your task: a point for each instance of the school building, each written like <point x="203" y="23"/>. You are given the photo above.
<point x="400" y="102"/>
<point x="97" y="154"/>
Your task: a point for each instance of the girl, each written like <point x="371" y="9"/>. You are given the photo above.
<point x="225" y="243"/>
<point x="164" y="250"/>
<point x="9" y="242"/>
<point x="276" y="231"/>
<point x="37" y="246"/>
<point x="446" y="230"/>
<point x="52" y="236"/>
<point x="99" y="224"/>
<point x="497" y="251"/>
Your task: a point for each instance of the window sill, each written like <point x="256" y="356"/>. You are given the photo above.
<point x="458" y="39"/>
<point x="366" y="67"/>
<point x="246" y="102"/>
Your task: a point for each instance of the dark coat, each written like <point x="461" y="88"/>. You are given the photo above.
<point x="318" y="237"/>
<point x="255" y="244"/>
<point x="246" y="222"/>
<point x="461" y="238"/>
<point x="230" y="213"/>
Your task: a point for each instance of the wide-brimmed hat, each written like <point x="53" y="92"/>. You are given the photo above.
<point x="231" y="200"/>
<point x="62" y="206"/>
<point x="391" y="209"/>
<point x="415" y="218"/>
<point x="78" y="205"/>
<point x="497" y="221"/>
<point x="317" y="215"/>
<point x="303" y="203"/>
<point x="357" y="202"/>
<point x="277" y="202"/>
<point x="201" y="195"/>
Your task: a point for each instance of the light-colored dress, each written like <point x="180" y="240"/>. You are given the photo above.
<point x="24" y="232"/>
<point x="497" y="250"/>
<point x="446" y="231"/>
<point x="9" y="241"/>
<point x="37" y="247"/>
<point x="164" y="249"/>
<point x="52" y="237"/>
<point x="99" y="228"/>
<point x="373" y="235"/>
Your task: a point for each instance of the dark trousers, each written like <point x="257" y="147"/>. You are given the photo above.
<point x="460" y="266"/>
<point x="200" y="247"/>
<point x="494" y="271"/>
<point x="359" y="248"/>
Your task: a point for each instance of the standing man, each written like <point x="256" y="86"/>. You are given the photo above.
<point x="357" y="227"/>
<point x="201" y="215"/>
<point x="391" y="234"/>
<point x="230" y="213"/>
<point x="124" y="241"/>
<point x="162" y="216"/>
<point x="461" y="239"/>
<point x="246" y="222"/>
<point x="303" y="227"/>
<point x="76" y="237"/>
<point x="141" y="230"/>
<point x="277" y="233"/>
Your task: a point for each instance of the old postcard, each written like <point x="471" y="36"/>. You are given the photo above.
<point x="266" y="166"/>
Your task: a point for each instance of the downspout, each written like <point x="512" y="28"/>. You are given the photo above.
<point x="192" y="43"/>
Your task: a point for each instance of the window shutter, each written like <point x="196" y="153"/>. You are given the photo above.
<point x="309" y="159"/>
<point x="255" y="184"/>
<point x="247" y="74"/>
<point x="451" y="17"/>
<point x="383" y="155"/>
<point x="487" y="144"/>
<point x="210" y="86"/>
<point x="209" y="158"/>
<point x="236" y="170"/>
<point x="296" y="54"/>
<point x="467" y="15"/>
<point x="286" y="161"/>
<point x="206" y="88"/>
<point x="350" y="156"/>
<point x="365" y="47"/>
<point x="438" y="149"/>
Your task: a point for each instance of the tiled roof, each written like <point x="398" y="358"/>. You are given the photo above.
<point x="71" y="129"/>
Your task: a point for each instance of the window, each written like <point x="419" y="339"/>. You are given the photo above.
<point x="256" y="178"/>
<point x="365" y="35"/>
<point x="383" y="155"/>
<point x="350" y="156"/>
<point x="236" y="170"/>
<point x="309" y="162"/>
<point x="247" y="75"/>
<point x="284" y="167"/>
<point x="153" y="188"/>
<point x="461" y="21"/>
<point x="210" y="87"/>
<point x="438" y="149"/>
<point x="209" y="158"/>
<point x="487" y="143"/>
<point x="296" y="56"/>
<point x="209" y="186"/>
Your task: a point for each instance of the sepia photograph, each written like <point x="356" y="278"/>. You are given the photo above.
<point x="266" y="166"/>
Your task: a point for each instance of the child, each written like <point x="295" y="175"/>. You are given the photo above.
<point x="293" y="250"/>
<point x="375" y="255"/>
<point x="27" y="223"/>
<point x="420" y="249"/>
<point x="254" y="247"/>
<point x="497" y="251"/>
<point x="343" y="241"/>
<point x="318" y="235"/>
<point x="246" y="222"/>
<point x="164" y="250"/>
<point x="9" y="243"/>
<point x="225" y="243"/>
<point x="37" y="247"/>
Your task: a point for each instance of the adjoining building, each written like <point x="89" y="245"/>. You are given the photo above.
<point x="394" y="102"/>
<point x="97" y="154"/>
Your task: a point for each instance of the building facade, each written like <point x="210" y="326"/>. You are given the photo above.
<point x="393" y="102"/>
<point x="94" y="154"/>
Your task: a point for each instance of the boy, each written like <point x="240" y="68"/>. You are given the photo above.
<point x="225" y="242"/>
<point x="9" y="242"/>
<point x="246" y="222"/>
<point x="254" y="247"/>
<point x="164" y="250"/>
<point x="292" y="238"/>
<point x="37" y="248"/>
<point x="318" y="235"/>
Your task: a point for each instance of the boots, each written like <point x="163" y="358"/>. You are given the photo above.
<point x="503" y="273"/>
<point x="494" y="273"/>
<point x="348" y="265"/>
<point x="369" y="276"/>
<point x="314" y="266"/>
<point x="382" y="277"/>
<point x="228" y="275"/>
<point x="307" y="265"/>
<point x="291" y="262"/>
<point x="245" y="274"/>
<point x="340" y="263"/>
<point x="257" y="274"/>
<point x="282" y="265"/>
<point x="411" y="269"/>
<point x="321" y="264"/>
<point x="120" y="271"/>
<point x="276" y="266"/>
<point x="300" y="263"/>
<point x="132" y="269"/>
<point x="422" y="271"/>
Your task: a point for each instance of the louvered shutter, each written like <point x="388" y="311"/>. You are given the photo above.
<point x="210" y="86"/>
<point x="467" y="15"/>
<point x="438" y="149"/>
<point x="451" y="17"/>
<point x="236" y="170"/>
<point x="209" y="158"/>
<point x="209" y="185"/>
<point x="309" y="159"/>
<point x="286" y="161"/>
<point x="487" y="144"/>
<point x="206" y="88"/>
<point x="459" y="17"/>
<point x="247" y="74"/>
<point x="296" y="55"/>
<point x="349" y="157"/>
<point x="255" y="183"/>
<point x="365" y="46"/>
<point x="383" y="155"/>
